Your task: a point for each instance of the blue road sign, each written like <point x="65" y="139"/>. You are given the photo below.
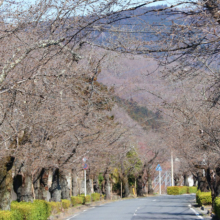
<point x="158" y="168"/>
<point x="85" y="167"/>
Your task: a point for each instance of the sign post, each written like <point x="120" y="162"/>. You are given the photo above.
<point x="85" y="167"/>
<point x="85" y="181"/>
<point x="158" y="168"/>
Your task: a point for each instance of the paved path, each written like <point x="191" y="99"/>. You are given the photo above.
<point x="154" y="208"/>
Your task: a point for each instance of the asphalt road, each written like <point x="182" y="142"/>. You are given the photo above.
<point x="155" y="208"/>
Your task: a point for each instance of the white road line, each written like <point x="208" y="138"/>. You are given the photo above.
<point x="154" y="200"/>
<point x="78" y="214"/>
<point x="197" y="214"/>
<point x="72" y="217"/>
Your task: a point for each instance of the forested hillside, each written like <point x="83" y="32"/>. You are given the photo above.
<point x="145" y="117"/>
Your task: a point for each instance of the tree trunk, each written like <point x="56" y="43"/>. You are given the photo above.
<point x="96" y="185"/>
<point x="202" y="183"/>
<point x="41" y="185"/>
<point x="149" y="179"/>
<point x="74" y="183"/>
<point x="24" y="187"/>
<point x="213" y="179"/>
<point x="176" y="180"/>
<point x="195" y="181"/>
<point x="107" y="185"/>
<point x="141" y="182"/>
<point x="185" y="177"/>
<point x="140" y="186"/>
<point x="65" y="190"/>
<point x="55" y="189"/>
<point x="126" y="186"/>
<point x="89" y="186"/>
<point x="6" y="182"/>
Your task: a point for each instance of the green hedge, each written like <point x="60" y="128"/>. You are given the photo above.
<point x="76" y="200"/>
<point x="10" y="215"/>
<point x="44" y="207"/>
<point x="66" y="203"/>
<point x="192" y="189"/>
<point x="217" y="206"/>
<point x="95" y="197"/>
<point x="86" y="199"/>
<point x="178" y="190"/>
<point x="38" y="210"/>
<point x="55" y="207"/>
<point x="203" y="198"/>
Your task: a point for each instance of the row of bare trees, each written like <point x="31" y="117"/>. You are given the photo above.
<point x="54" y="111"/>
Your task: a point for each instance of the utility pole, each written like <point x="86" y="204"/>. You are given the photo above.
<point x="85" y="167"/>
<point x="85" y="181"/>
<point x="160" y="180"/>
<point x="121" y="189"/>
<point x="172" y="168"/>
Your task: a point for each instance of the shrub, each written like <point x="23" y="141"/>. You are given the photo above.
<point x="87" y="198"/>
<point x="192" y="189"/>
<point x="55" y="207"/>
<point x="28" y="210"/>
<point x="177" y="190"/>
<point x="66" y="203"/>
<point x="44" y="207"/>
<point x="217" y="206"/>
<point x="183" y="189"/>
<point x="173" y="190"/>
<point x="83" y="198"/>
<point x="95" y="197"/>
<point x="76" y="200"/>
<point x="10" y="215"/>
<point x="203" y="198"/>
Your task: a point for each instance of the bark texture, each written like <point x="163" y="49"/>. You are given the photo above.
<point x="185" y="177"/>
<point x="149" y="180"/>
<point x="74" y="183"/>
<point x="125" y="186"/>
<point x="6" y="182"/>
<point x="96" y="185"/>
<point x="107" y="185"/>
<point x="41" y="185"/>
<point x="23" y="187"/>
<point x="202" y="183"/>
<point x="141" y="189"/>
<point x="55" y="189"/>
<point x="65" y="190"/>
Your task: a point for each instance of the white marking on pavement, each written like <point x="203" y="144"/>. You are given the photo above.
<point x="154" y="200"/>
<point x="72" y="217"/>
<point x="197" y="214"/>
